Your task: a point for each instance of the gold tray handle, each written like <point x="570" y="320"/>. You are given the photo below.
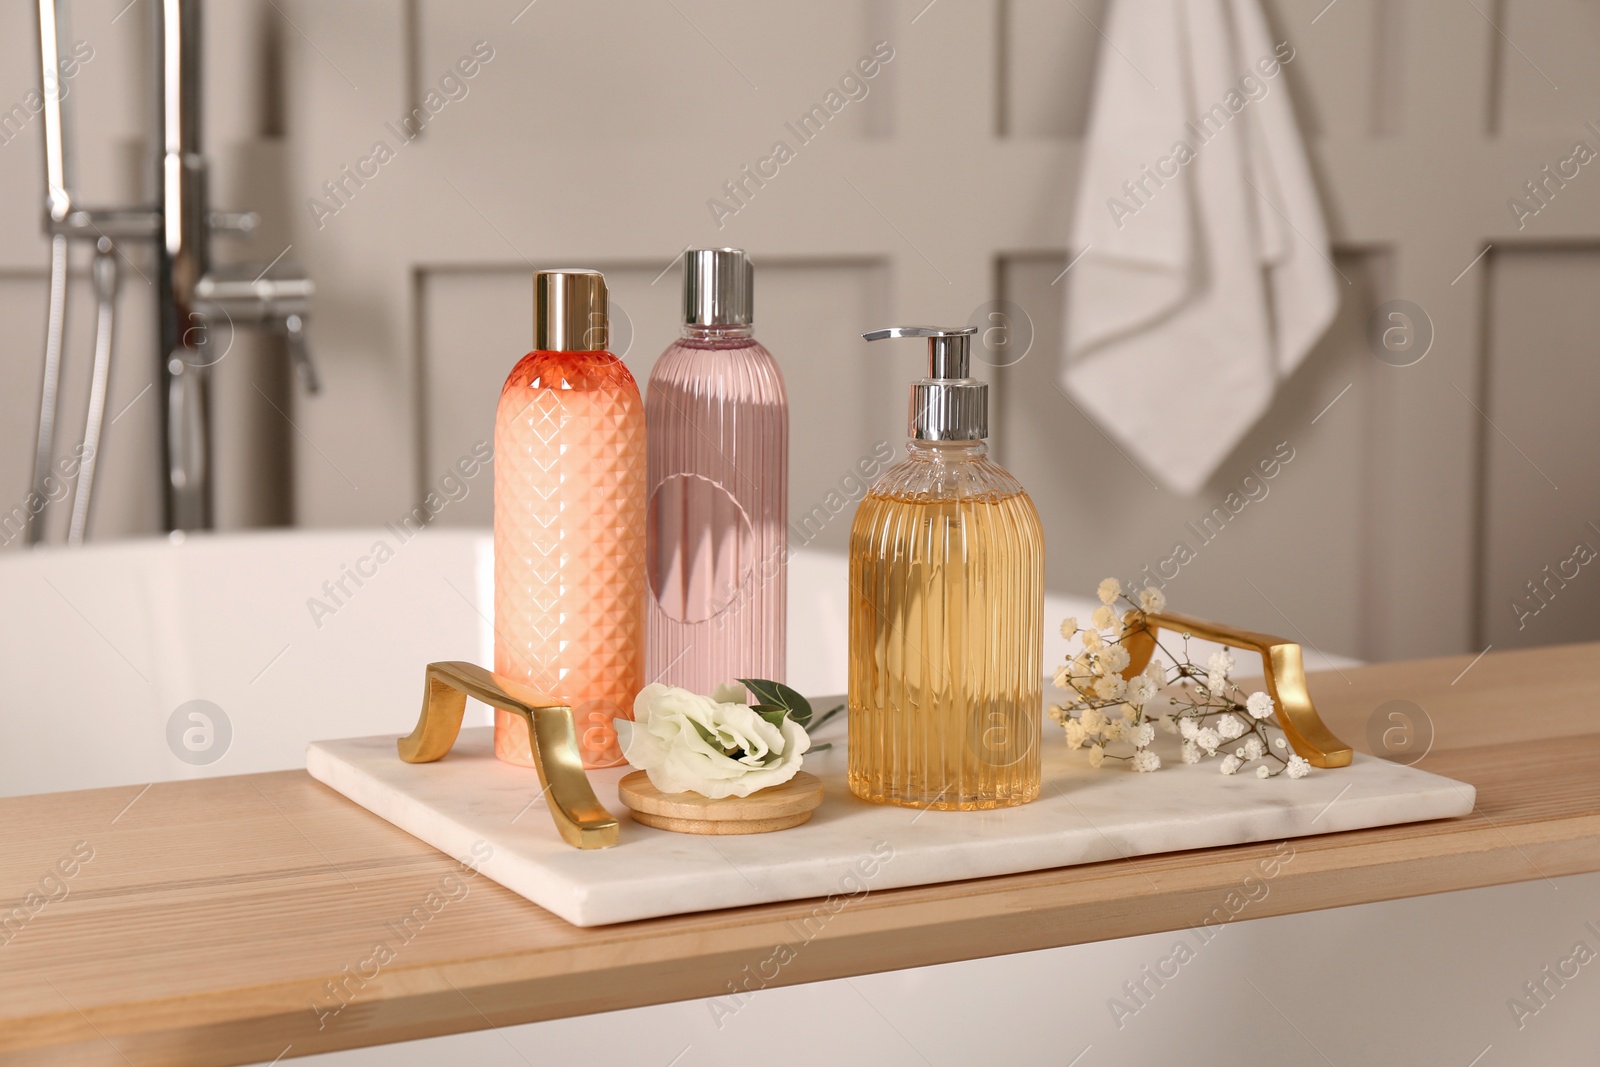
<point x="1283" y="669"/>
<point x="578" y="814"/>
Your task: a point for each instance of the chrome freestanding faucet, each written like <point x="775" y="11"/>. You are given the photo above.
<point x="194" y="299"/>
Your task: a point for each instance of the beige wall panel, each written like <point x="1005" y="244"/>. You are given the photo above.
<point x="1544" y="69"/>
<point x="1050" y="52"/>
<point x="1543" y="381"/>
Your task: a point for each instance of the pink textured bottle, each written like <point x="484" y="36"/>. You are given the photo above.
<point x="569" y="498"/>
<point x="719" y="488"/>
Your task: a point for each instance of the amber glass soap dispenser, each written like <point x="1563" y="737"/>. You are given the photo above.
<point x="946" y="608"/>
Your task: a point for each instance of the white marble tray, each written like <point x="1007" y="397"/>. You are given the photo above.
<point x="470" y="800"/>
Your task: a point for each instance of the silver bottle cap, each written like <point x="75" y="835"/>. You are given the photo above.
<point x="946" y="405"/>
<point x="718" y="287"/>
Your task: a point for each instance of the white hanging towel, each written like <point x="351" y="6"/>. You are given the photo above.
<point x="1204" y="276"/>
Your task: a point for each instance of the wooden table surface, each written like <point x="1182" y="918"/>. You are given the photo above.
<point x="202" y="922"/>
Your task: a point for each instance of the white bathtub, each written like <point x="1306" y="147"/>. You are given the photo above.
<point x="102" y="646"/>
<point x="290" y="636"/>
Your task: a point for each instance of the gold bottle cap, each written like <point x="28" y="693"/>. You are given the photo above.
<point x="569" y="311"/>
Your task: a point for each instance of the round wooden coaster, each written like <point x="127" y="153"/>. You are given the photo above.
<point x="778" y="808"/>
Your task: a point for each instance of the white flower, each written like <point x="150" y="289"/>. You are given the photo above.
<point x="1093" y="720"/>
<point x="1115" y="657"/>
<point x="1109" y="590"/>
<point x="1140" y="690"/>
<point x="1191" y="752"/>
<point x="1116" y="730"/>
<point x="1262" y="772"/>
<point x="1056" y="714"/>
<point x="1216" y="682"/>
<point x="1061" y="678"/>
<point x="1229" y="727"/>
<point x="1259" y="705"/>
<point x="1143" y="734"/>
<point x="686" y="742"/>
<point x="1069" y="626"/>
<point x="730" y="693"/>
<point x="1153" y="600"/>
<point x="1278" y="742"/>
<point x="1221" y="662"/>
<point x="1230" y="765"/>
<point x="1075" y="733"/>
<point x="1208" y="739"/>
<point x="1092" y="639"/>
<point x="1146" y="761"/>
<point x="1169" y="723"/>
<point x="1156" y="671"/>
<point x="1111" y="687"/>
<point x="1298" y="767"/>
<point x="1097" y="755"/>
<point x="1254" y="749"/>
<point x="1104" y="618"/>
<point x="1188" y="727"/>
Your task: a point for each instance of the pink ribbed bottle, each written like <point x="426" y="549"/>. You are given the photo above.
<point x="719" y="485"/>
<point x="569" y="497"/>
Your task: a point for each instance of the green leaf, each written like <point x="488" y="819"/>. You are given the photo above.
<point x="776" y="694"/>
<point x="772" y="713"/>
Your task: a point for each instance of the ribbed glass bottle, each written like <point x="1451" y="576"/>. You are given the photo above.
<point x="569" y="493"/>
<point x="718" y="422"/>
<point x="946" y="620"/>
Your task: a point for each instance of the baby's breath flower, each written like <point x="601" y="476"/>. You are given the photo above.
<point x="1191" y="752"/>
<point x="1230" y="765"/>
<point x="1069" y="626"/>
<point x="1097" y="755"/>
<point x="1298" y="767"/>
<point x="1253" y="748"/>
<point x="1153" y="600"/>
<point x="1221" y="662"/>
<point x="1259" y="705"/>
<point x="1115" y="658"/>
<point x="1262" y="772"/>
<point x="1229" y="727"/>
<point x="1111" y="687"/>
<point x="1144" y="761"/>
<point x="1209" y="740"/>
<point x="1188" y="727"/>
<point x="1075" y="733"/>
<point x="1143" y="734"/>
<point x="1109" y="590"/>
<point x="1092" y="639"/>
<point x="1104" y="618"/>
<point x="1140" y="690"/>
<point x="1279" y="742"/>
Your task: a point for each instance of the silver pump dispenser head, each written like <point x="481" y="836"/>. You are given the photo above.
<point x="718" y="287"/>
<point x="947" y="405"/>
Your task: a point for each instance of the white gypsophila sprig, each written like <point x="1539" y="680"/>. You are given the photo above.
<point x="1112" y="711"/>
